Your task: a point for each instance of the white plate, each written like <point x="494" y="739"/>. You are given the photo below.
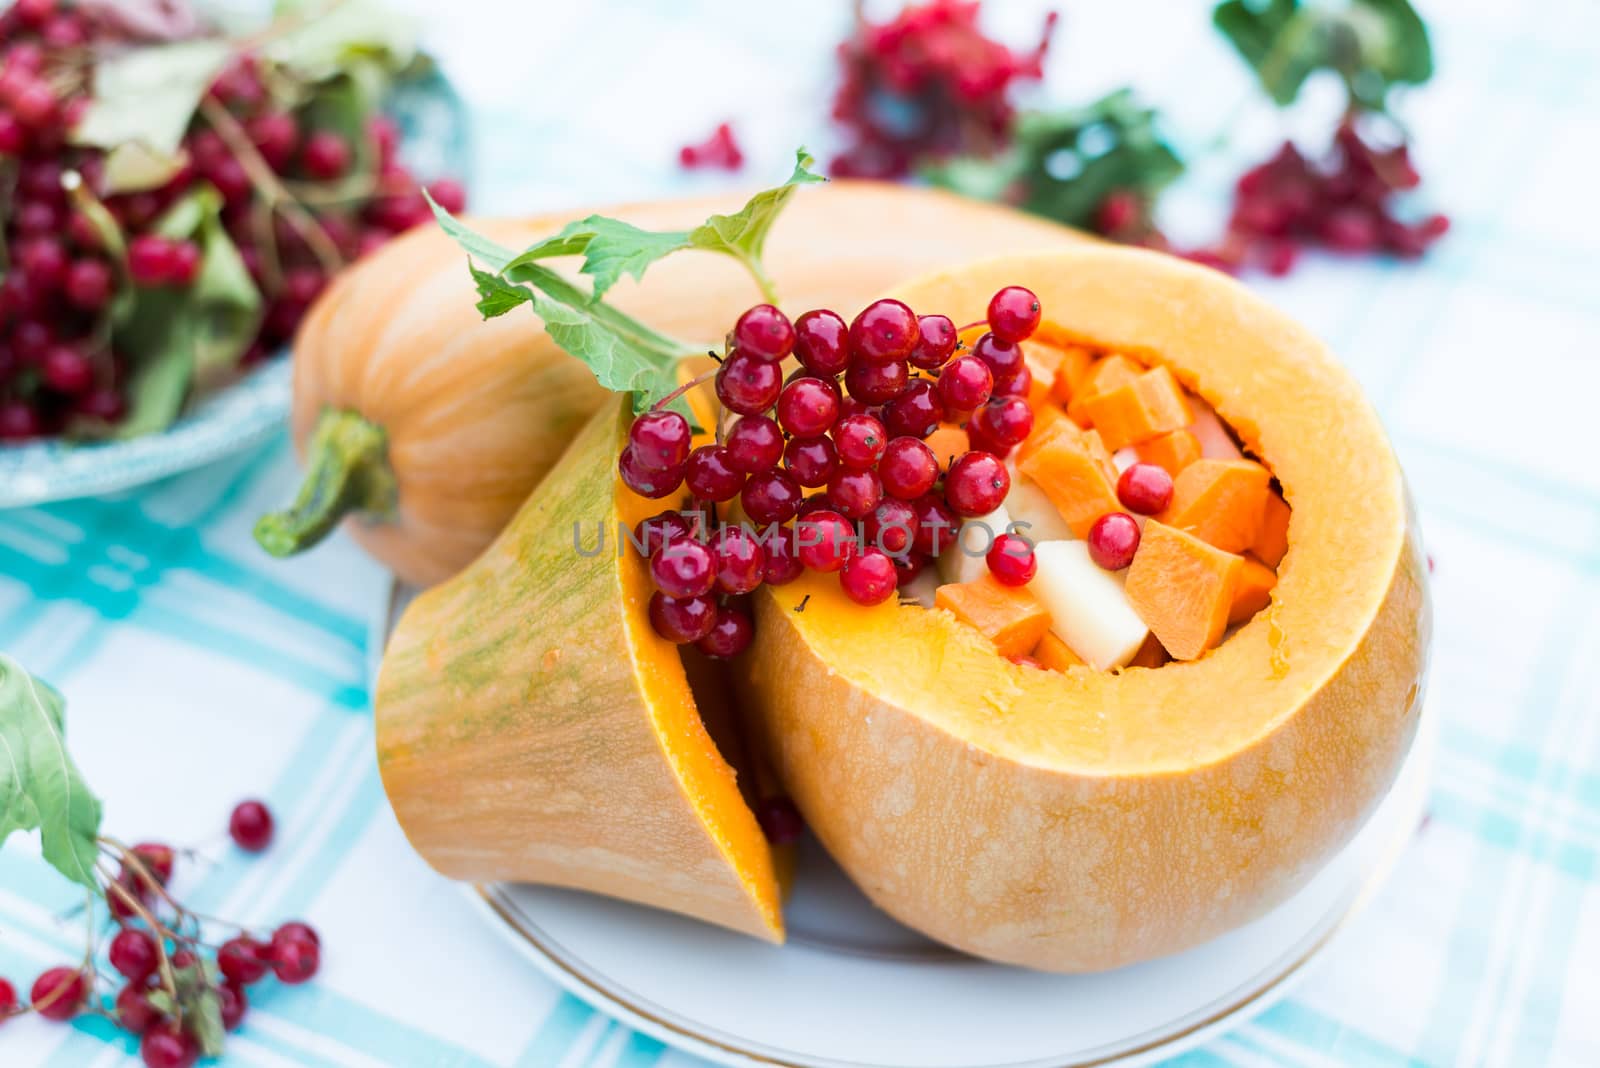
<point x="854" y="989"/>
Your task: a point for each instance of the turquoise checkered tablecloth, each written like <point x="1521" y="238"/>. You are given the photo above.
<point x="197" y="670"/>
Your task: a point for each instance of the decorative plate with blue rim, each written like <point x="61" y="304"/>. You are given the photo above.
<point x="248" y="411"/>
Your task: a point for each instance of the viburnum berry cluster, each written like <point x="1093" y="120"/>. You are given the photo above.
<point x="851" y="424"/>
<point x="720" y="150"/>
<point x="164" y="977"/>
<point x="294" y="208"/>
<point x="927" y="85"/>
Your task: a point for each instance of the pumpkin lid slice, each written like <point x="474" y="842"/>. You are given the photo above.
<point x="532" y="727"/>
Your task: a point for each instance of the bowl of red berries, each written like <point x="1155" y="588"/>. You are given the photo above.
<point x="174" y="194"/>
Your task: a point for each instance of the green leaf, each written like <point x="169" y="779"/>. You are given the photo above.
<point x="40" y="786"/>
<point x="496" y="296"/>
<point x="743" y="235"/>
<point x="612" y="248"/>
<point x="317" y="40"/>
<point x="148" y="96"/>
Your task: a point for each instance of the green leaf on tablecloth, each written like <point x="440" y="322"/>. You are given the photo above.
<point x="40" y="785"/>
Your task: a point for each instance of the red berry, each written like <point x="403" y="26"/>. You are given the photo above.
<point x="1006" y="421"/>
<point x="645" y="482"/>
<point x="765" y="333"/>
<point x="741" y="561"/>
<point x="965" y="383"/>
<point x="892" y="526"/>
<point x="105" y="404"/>
<point x="885" y="330"/>
<point x="683" y="568"/>
<point x="936" y="342"/>
<point x="134" y="1012"/>
<point x="67" y="370"/>
<point x="242" y="959"/>
<point x="150" y="260"/>
<point x="326" y="155"/>
<point x="730" y="635"/>
<point x="710" y="476"/>
<point x="783" y="563"/>
<point x="855" y="493"/>
<point x="1113" y="540"/>
<point x="8" y="999"/>
<point x="660" y="440"/>
<point x="44" y="260"/>
<point x="916" y="412"/>
<point x="296" y="930"/>
<point x="449" y="194"/>
<point x="780" y="821"/>
<point x="909" y="566"/>
<point x="167" y="1045"/>
<point x="233" y="1004"/>
<point x="13" y="137"/>
<point x="1016" y="384"/>
<point x="770" y="497"/>
<point x="59" y="993"/>
<point x="250" y="824"/>
<point x="747" y="385"/>
<point x="133" y="953"/>
<point x="1117" y="212"/>
<point x="976" y="484"/>
<point x="876" y="383"/>
<point x="275" y="135"/>
<point x="35" y="105"/>
<point x="821" y="342"/>
<point x="680" y="621"/>
<point x="88" y="284"/>
<point x="859" y="440"/>
<point x="824" y="540"/>
<point x="937" y="525"/>
<point x="869" y="577"/>
<point x="1011" y="560"/>
<point x="908" y="468"/>
<point x="1145" y="489"/>
<point x="810" y="461"/>
<point x="754" y="444"/>
<point x="1349" y="229"/>
<point x="1013" y="314"/>
<point x="808" y="407"/>
<point x="183" y="959"/>
<point x="1002" y="357"/>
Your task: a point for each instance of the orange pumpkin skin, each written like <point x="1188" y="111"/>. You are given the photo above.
<point x="475" y="413"/>
<point x="1080" y="821"/>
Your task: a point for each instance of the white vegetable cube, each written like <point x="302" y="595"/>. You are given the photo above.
<point x="921" y="589"/>
<point x="1028" y="504"/>
<point x="966" y="559"/>
<point x="1089" y="610"/>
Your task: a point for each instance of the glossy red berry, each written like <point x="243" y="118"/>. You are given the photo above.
<point x="167" y="1045"/>
<point x="810" y="461"/>
<point x="1113" y="540"/>
<point x="1003" y="358"/>
<point x="740" y="559"/>
<point x="859" y="440"/>
<point x="296" y="930"/>
<point x="1006" y="421"/>
<point x="908" y="468"/>
<point x="765" y="333"/>
<point x="326" y="155"/>
<point x="876" y="383"/>
<point x="186" y="264"/>
<point x="936" y="342"/>
<point x="976" y="484"/>
<point x="729" y="636"/>
<point x="151" y="260"/>
<point x="1016" y="384"/>
<point x="909" y="566"/>
<point x="67" y="370"/>
<point x="646" y="482"/>
<point x="869" y="577"/>
<point x="133" y="1010"/>
<point x="8" y="999"/>
<point x="855" y="493"/>
<point x="822" y="342"/>
<point x="233" y="1004"/>
<point x="965" y="383"/>
<point x="808" y="407"/>
<point x="885" y="330"/>
<point x="747" y="385"/>
<point x="770" y="497"/>
<point x="250" y="826"/>
<point x="243" y="960"/>
<point x="649" y="535"/>
<point x="88" y="284"/>
<point x="683" y="568"/>
<point x="1011" y="560"/>
<point x="892" y="526"/>
<point x="755" y="443"/>
<point x="937" y="525"/>
<point x="711" y="476"/>
<point x="133" y="954"/>
<point x="449" y="194"/>
<point x="660" y="440"/>
<point x="783" y="562"/>
<point x="1013" y="314"/>
<point x="916" y="412"/>
<point x="59" y="993"/>
<point x="1145" y="489"/>
<point x="158" y="860"/>
<point x="824" y="540"/>
<point x="680" y="621"/>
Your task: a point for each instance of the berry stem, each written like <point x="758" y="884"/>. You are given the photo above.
<point x="697" y="380"/>
<point x="347" y="472"/>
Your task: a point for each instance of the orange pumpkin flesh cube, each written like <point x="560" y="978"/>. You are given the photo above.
<point x="947" y="442"/>
<point x="1009" y="616"/>
<point x="1220" y="501"/>
<point x="1172" y="451"/>
<point x="1151" y="404"/>
<point x="1113" y="371"/>
<point x="1045" y="427"/>
<point x="1055" y="654"/>
<point x="1075" y="471"/>
<point x="1273" y="540"/>
<point x="1152" y="654"/>
<point x="1254" y="591"/>
<point x="1183" y="589"/>
<point x="1069" y="365"/>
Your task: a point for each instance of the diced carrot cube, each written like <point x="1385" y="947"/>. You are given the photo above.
<point x="1215" y="441"/>
<point x="1055" y="654"/>
<point x="1113" y="371"/>
<point x="1220" y="501"/>
<point x="947" y="443"/>
<point x="1254" y="591"/>
<point x="1151" y="404"/>
<point x="1172" y="451"/>
<point x="1273" y="540"/>
<point x="1009" y="616"/>
<point x="1075" y="471"/>
<point x="1152" y="654"/>
<point x="1182" y="589"/>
